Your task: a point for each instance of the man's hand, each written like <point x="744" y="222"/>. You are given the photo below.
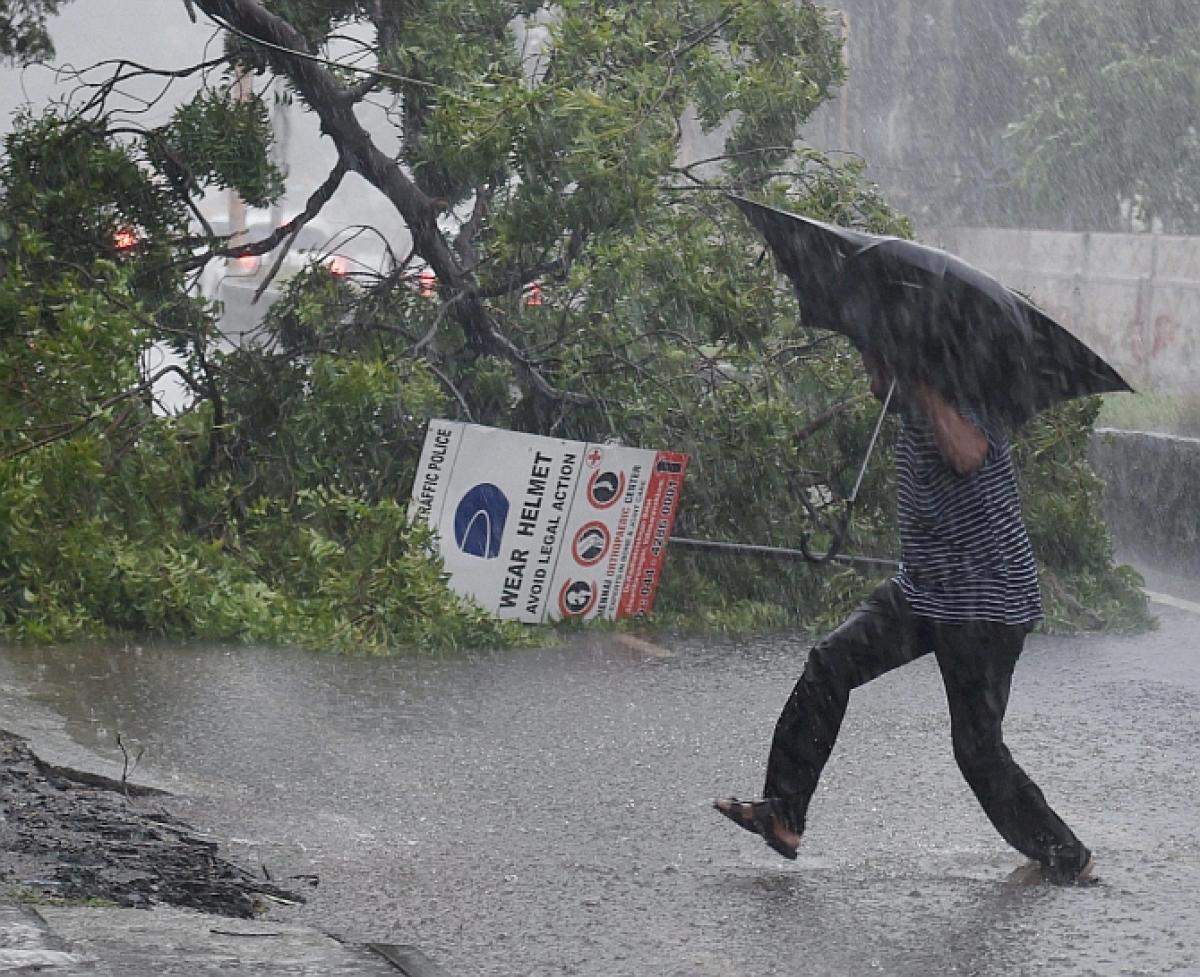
<point x="961" y="443"/>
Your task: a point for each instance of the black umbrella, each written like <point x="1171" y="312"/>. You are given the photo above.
<point x="932" y="317"/>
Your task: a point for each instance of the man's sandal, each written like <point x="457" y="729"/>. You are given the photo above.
<point x="760" y="818"/>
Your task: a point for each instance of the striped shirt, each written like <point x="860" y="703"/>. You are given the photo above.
<point x="965" y="554"/>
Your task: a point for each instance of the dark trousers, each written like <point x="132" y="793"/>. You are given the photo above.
<point x="976" y="661"/>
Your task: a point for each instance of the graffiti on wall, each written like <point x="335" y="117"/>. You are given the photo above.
<point x="1147" y="340"/>
<point x="1146" y="326"/>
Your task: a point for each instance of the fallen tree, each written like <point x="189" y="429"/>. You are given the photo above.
<point x="568" y="269"/>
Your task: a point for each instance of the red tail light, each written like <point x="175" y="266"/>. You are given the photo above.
<point x="428" y="283"/>
<point x="125" y="238"/>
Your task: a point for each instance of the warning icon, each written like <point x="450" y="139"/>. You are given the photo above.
<point x="576" y="598"/>
<point x="604" y="488"/>
<point x="591" y="543"/>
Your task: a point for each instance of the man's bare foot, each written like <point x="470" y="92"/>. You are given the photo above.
<point x="1034" y="873"/>
<point x="759" y="817"/>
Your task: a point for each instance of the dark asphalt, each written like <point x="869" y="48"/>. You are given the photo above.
<point x="547" y="812"/>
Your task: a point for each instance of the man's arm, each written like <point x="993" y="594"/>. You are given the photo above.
<point x="961" y="443"/>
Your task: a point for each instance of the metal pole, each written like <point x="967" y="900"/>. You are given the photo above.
<point x="240" y="91"/>
<point x="780" y="553"/>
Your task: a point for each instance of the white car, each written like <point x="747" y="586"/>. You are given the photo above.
<point x="238" y="284"/>
<point x="247" y="286"/>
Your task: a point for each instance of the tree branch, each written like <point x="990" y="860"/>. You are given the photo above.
<point x="514" y="281"/>
<point x="275" y="266"/>
<point x="464" y="244"/>
<point x="287" y="51"/>
<point x="703" y="35"/>
<point x="454" y="391"/>
<point x="94" y="414"/>
<point x="822" y="419"/>
<point x="437" y="321"/>
<point x="319" y="198"/>
<point x="535" y="379"/>
<point x="356" y="93"/>
<point x="124" y="70"/>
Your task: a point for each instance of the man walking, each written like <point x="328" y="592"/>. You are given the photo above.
<point x="967" y="591"/>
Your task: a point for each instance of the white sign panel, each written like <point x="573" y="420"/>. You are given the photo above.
<point x="537" y="529"/>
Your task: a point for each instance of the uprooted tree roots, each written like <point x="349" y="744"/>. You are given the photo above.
<point x="72" y="837"/>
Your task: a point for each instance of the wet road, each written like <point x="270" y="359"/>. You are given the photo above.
<point x="547" y="812"/>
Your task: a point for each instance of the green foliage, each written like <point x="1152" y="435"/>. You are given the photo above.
<point x="362" y="578"/>
<point x="107" y="527"/>
<point x="273" y="509"/>
<point x="78" y="198"/>
<point x="94" y="547"/>
<point x="77" y="187"/>
<point x="350" y="424"/>
<point x="1063" y="508"/>
<point x="1110" y="120"/>
<point x="48" y="327"/>
<point x="23" y="35"/>
<point x="220" y="141"/>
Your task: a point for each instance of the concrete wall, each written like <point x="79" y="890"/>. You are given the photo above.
<point x="1134" y="298"/>
<point x="1152" y="496"/>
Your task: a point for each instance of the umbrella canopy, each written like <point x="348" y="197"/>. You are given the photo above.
<point x="930" y="316"/>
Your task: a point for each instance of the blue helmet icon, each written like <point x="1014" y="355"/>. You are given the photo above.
<point x="479" y="521"/>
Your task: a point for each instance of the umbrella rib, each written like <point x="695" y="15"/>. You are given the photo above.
<point x="871" y="447"/>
